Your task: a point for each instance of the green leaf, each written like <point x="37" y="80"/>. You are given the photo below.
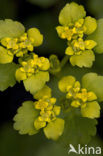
<point x="4" y="56"/>
<point x="43" y="3"/>
<point x="66" y="81"/>
<point x="10" y="28"/>
<point x="52" y="149"/>
<point x="97" y="36"/>
<point x="67" y="70"/>
<point x="90" y="24"/>
<point x="45" y="91"/>
<point x="36" y="82"/>
<point x="25" y="117"/>
<point x="84" y="60"/>
<point x="7" y="75"/>
<point x="35" y="34"/>
<point x="94" y="82"/>
<point x="77" y="130"/>
<point x="71" y="13"/>
<point x="54" y="129"/>
<point x="20" y="75"/>
<point x="92" y="110"/>
<point x="19" y="145"/>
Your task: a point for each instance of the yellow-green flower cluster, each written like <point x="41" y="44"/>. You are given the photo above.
<point x="75" y="28"/>
<point x="48" y="111"/>
<point x="79" y="97"/>
<point x="75" y="33"/>
<point x="79" y="45"/>
<point x="72" y="31"/>
<point x="18" y="46"/>
<point x="21" y="45"/>
<point x="32" y="66"/>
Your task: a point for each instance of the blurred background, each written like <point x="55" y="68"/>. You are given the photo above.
<point x="42" y="14"/>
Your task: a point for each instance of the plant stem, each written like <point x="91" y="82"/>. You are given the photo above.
<point x="64" y="61"/>
<point x="62" y="64"/>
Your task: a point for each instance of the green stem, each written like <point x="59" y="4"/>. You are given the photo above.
<point x="64" y="61"/>
<point x="62" y="64"/>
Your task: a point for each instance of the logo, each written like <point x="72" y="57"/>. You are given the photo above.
<point x="84" y="150"/>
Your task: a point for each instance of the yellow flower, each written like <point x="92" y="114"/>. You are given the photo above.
<point x="76" y="87"/>
<point x="79" y="23"/>
<point x="79" y="97"/>
<point x="23" y="37"/>
<point x="39" y="124"/>
<point x="41" y="104"/>
<point x="75" y="103"/>
<point x="48" y="111"/>
<point x="72" y="31"/>
<point x="26" y="42"/>
<point x="78" y="46"/>
<point x="32" y="66"/>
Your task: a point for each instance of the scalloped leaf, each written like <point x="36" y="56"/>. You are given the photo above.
<point x="77" y="130"/>
<point x="84" y="60"/>
<point x="97" y="36"/>
<point x="7" y="75"/>
<point x="45" y="91"/>
<point x="94" y="82"/>
<point x="36" y="82"/>
<point x="66" y="81"/>
<point x="92" y="110"/>
<point x="54" y="129"/>
<point x="71" y="13"/>
<point x="20" y="75"/>
<point x="35" y="34"/>
<point x="91" y="25"/>
<point x="24" y="119"/>
<point x="10" y="28"/>
<point x="4" y="56"/>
